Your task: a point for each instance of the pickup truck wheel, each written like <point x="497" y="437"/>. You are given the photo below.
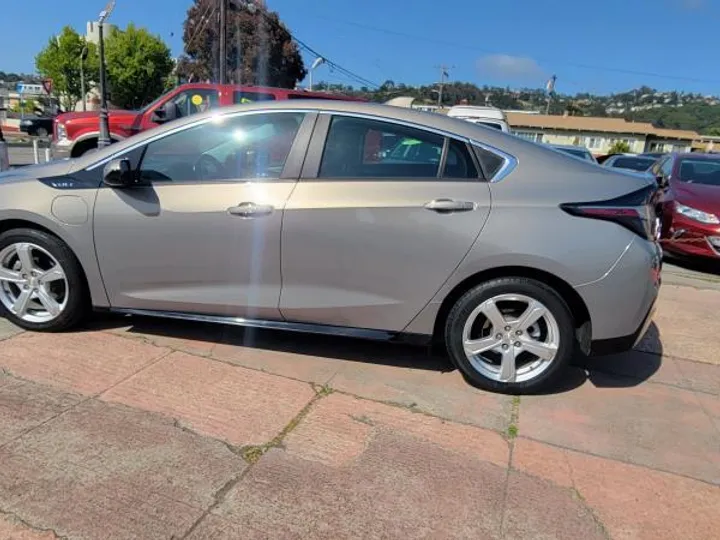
<point x="41" y="132"/>
<point x="84" y="147"/>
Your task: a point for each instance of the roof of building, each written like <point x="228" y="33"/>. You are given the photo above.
<point x="592" y="123"/>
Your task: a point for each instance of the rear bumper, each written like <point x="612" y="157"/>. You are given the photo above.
<point x="621" y="304"/>
<point x="617" y="345"/>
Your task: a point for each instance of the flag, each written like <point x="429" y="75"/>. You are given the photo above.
<point x="550" y="86"/>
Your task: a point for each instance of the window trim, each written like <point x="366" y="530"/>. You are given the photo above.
<point x="313" y="160"/>
<point x="291" y="168"/>
<point x="321" y="123"/>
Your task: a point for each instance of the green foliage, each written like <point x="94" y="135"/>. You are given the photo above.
<point x="699" y="117"/>
<point x="60" y="61"/>
<point x="27" y="106"/>
<point x="260" y="50"/>
<point x="138" y="66"/>
<point x="619" y="147"/>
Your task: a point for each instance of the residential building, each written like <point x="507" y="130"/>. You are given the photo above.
<point x="599" y="134"/>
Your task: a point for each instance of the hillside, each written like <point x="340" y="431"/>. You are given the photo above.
<point x="680" y="110"/>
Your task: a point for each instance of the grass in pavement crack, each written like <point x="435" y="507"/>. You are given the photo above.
<point x="512" y="430"/>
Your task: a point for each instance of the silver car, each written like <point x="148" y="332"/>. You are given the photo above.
<point x="341" y="218"/>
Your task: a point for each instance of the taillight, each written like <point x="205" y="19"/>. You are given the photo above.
<point x="634" y="211"/>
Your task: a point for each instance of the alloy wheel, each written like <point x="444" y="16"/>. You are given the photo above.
<point x="511" y="338"/>
<point x="33" y="284"/>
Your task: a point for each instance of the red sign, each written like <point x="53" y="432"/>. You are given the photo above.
<point x="48" y="86"/>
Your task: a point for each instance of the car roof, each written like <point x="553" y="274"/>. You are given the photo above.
<point x="423" y="120"/>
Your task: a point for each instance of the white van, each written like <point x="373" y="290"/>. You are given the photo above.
<point x="487" y="116"/>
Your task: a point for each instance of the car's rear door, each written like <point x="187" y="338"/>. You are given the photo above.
<point x="383" y="214"/>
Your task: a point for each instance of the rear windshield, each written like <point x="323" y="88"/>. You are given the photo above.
<point x="634" y="163"/>
<point x="700" y="171"/>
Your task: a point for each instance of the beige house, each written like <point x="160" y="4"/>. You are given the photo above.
<point x="599" y="134"/>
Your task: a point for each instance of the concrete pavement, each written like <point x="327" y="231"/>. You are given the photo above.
<point x="137" y="428"/>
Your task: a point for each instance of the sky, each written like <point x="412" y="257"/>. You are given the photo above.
<point x="598" y="47"/>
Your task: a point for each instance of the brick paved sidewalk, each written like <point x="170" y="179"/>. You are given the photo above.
<point x="168" y="430"/>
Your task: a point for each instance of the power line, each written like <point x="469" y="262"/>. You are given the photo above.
<point x="487" y="51"/>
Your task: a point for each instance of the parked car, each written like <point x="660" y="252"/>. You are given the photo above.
<point x="76" y="133"/>
<point x="690" y="210"/>
<point x="37" y="125"/>
<point x="630" y="162"/>
<point x="486" y="116"/>
<point x="295" y="216"/>
<point x="576" y="151"/>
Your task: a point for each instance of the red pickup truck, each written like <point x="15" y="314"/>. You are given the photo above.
<point x="77" y="132"/>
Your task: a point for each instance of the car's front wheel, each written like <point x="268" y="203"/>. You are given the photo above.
<point x="513" y="335"/>
<point x="41" y="283"/>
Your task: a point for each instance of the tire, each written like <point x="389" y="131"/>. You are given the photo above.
<point x="41" y="132"/>
<point x="66" y="287"/>
<point x="551" y="334"/>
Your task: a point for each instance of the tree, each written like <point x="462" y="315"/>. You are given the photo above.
<point x="260" y="49"/>
<point x="619" y="147"/>
<point x="138" y="66"/>
<point x="26" y="106"/>
<point x="60" y="61"/>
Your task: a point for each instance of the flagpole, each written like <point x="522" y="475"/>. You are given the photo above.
<point x="550" y="87"/>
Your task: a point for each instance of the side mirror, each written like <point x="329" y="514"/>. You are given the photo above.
<point x="166" y="113"/>
<point x="118" y="174"/>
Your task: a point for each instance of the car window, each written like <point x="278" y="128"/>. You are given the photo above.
<point x="241" y="148"/>
<point x="632" y="163"/>
<point x="699" y="171"/>
<point x="459" y="163"/>
<point x="194" y="101"/>
<point x="240" y="96"/>
<point x="362" y="148"/>
<point x="667" y="167"/>
<point x="490" y="163"/>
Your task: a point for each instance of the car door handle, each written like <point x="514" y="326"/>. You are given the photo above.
<point x="446" y="206"/>
<point x="251" y="209"/>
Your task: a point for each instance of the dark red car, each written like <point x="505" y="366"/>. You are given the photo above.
<point x="690" y="194"/>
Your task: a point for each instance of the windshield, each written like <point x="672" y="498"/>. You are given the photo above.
<point x="633" y="163"/>
<point x="152" y="104"/>
<point x="700" y="171"/>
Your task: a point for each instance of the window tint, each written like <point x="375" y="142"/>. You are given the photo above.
<point x="700" y="171"/>
<point x="360" y="148"/>
<point x="305" y="96"/>
<point x="194" y="101"/>
<point x="251" y="97"/>
<point x="490" y="163"/>
<point x="240" y="148"/>
<point x="459" y="163"/>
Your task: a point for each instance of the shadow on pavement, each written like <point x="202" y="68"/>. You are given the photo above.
<point x="705" y="266"/>
<point x="624" y="370"/>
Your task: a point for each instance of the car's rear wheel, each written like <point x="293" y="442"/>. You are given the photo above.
<point x="513" y="335"/>
<point x="41" y="283"/>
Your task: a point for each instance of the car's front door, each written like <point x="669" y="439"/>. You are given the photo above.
<point x="382" y="216"/>
<point x="203" y="234"/>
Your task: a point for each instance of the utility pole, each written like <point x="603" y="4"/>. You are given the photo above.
<point x="444" y="74"/>
<point x="223" y="40"/>
<point x="104" y="137"/>
<point x="83" y="57"/>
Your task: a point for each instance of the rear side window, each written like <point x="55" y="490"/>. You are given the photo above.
<point x="459" y="162"/>
<point x="362" y="148"/>
<point x="251" y="97"/>
<point x="490" y="163"/>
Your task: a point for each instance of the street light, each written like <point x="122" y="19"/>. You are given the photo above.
<point x="104" y="138"/>
<point x="318" y="61"/>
